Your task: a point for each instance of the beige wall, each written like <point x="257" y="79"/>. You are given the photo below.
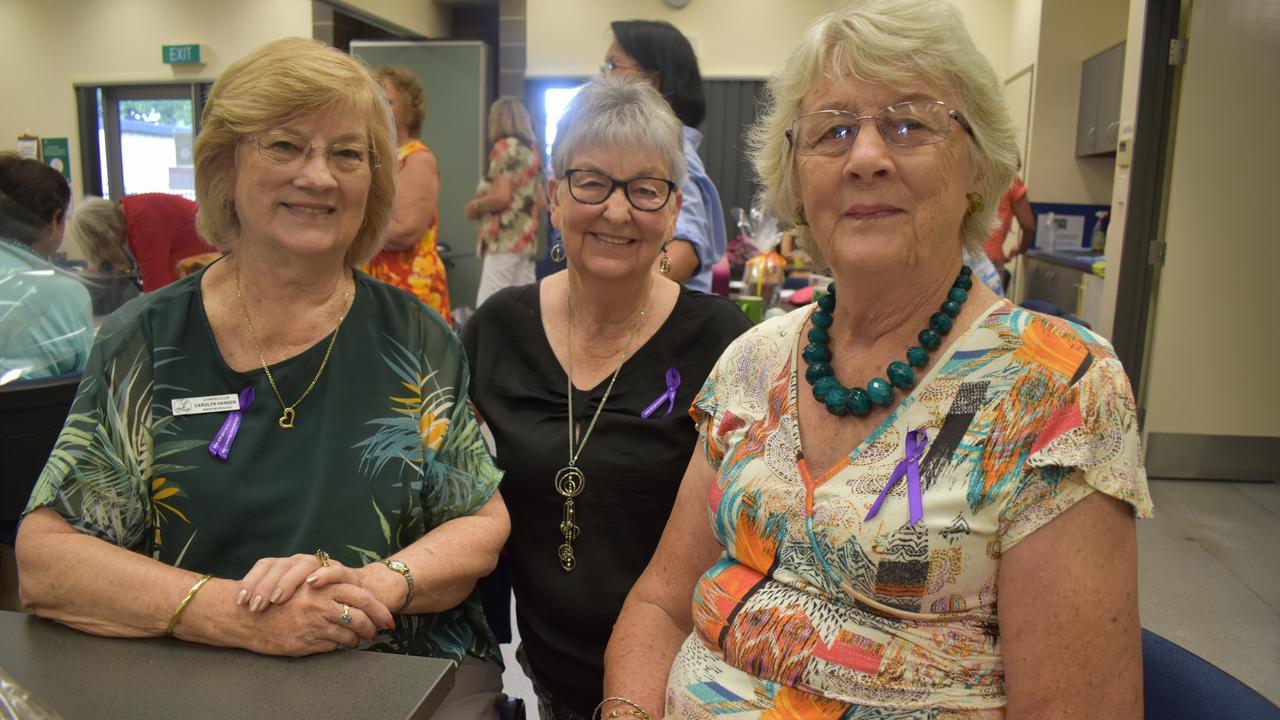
<point x="1070" y="31"/>
<point x="1215" y="338"/>
<point x="421" y="17"/>
<point x="733" y="38"/>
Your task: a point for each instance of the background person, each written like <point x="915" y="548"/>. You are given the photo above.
<point x="151" y="232"/>
<point x="356" y="433"/>
<point x="657" y="52"/>
<point x="410" y="259"/>
<point x="46" y="326"/>
<point x="509" y="202"/>
<point x="589" y="369"/>
<point x="1014" y="203"/>
<point x="862" y="528"/>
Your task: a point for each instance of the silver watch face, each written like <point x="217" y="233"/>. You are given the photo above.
<point x="397" y="566"/>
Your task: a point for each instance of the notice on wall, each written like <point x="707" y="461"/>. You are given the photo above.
<point x="56" y="153"/>
<point x="29" y="147"/>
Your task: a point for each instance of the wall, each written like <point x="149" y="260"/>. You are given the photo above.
<point x="733" y="38"/>
<point x="1070" y="31"/>
<point x="420" y="17"/>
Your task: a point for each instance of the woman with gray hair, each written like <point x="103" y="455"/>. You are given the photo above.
<point x="583" y="379"/>
<point x="276" y="402"/>
<point x="868" y="506"/>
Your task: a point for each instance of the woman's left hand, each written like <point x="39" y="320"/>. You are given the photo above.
<point x="273" y="580"/>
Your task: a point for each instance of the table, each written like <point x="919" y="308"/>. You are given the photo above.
<point x="85" y="676"/>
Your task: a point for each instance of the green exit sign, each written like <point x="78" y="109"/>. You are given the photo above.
<point x="181" y="54"/>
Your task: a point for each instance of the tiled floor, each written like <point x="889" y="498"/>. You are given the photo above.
<point x="1208" y="578"/>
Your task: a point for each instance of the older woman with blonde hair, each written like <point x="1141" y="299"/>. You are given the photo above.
<point x="942" y="533"/>
<point x="276" y="403"/>
<point x="508" y="201"/>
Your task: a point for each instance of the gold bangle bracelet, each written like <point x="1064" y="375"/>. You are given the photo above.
<point x="632" y="709"/>
<point x="173" y="621"/>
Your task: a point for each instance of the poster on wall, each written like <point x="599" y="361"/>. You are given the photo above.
<point x="29" y="147"/>
<point x="56" y="153"/>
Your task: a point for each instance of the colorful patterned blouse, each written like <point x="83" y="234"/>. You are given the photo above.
<point x="814" y="610"/>
<point x="514" y="228"/>
<point x="417" y="269"/>
<point x="384" y="449"/>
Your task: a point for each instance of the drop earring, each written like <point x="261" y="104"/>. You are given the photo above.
<point x="557" y="253"/>
<point x="664" y="266"/>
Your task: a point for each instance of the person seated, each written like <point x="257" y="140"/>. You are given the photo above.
<point x="46" y="323"/>
<point x="149" y="232"/>
<point x="948" y="534"/>
<point x="275" y="403"/>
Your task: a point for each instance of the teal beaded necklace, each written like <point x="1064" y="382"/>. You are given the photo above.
<point x="841" y="400"/>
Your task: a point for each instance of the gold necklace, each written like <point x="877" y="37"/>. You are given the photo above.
<point x="288" y="415"/>
<point x="570" y="481"/>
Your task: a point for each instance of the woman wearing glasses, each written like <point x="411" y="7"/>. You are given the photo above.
<point x="854" y="511"/>
<point x="584" y="380"/>
<point x="277" y="453"/>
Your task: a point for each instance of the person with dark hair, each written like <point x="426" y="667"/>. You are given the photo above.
<point x="46" y="325"/>
<point x="658" y="52"/>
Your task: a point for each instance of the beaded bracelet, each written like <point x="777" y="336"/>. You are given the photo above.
<point x="634" y="710"/>
<point x="173" y="621"/>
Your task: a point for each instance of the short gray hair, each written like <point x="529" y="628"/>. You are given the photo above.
<point x="895" y="43"/>
<point x="613" y="111"/>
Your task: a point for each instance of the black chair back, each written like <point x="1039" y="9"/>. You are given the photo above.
<point x="1179" y="685"/>
<point x="31" y="416"/>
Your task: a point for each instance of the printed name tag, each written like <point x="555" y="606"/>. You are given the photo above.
<point x="206" y="404"/>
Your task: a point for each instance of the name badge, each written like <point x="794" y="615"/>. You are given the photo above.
<point x="206" y="404"/>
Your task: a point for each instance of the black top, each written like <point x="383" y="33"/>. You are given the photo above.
<point x="633" y="467"/>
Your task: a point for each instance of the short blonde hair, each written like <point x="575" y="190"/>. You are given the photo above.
<point x="281" y="81"/>
<point x="896" y="43"/>
<point x="412" y="96"/>
<point x="97" y="228"/>
<point x="614" y="111"/>
<point x="509" y="118"/>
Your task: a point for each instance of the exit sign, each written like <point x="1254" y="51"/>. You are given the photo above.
<point x="181" y="54"/>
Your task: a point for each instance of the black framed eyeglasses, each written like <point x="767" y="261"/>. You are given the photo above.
<point x="644" y="193"/>
<point x="288" y="150"/>
<point x="906" y="124"/>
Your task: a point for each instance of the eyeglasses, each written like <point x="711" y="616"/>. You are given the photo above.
<point x="644" y="193"/>
<point x="905" y="124"/>
<point x="610" y="66"/>
<point x="288" y="150"/>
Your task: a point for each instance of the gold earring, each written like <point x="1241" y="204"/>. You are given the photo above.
<point x="664" y="266"/>
<point x="800" y="218"/>
<point x="976" y="203"/>
<point x="557" y="253"/>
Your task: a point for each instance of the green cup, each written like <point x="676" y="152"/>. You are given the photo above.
<point x="752" y="306"/>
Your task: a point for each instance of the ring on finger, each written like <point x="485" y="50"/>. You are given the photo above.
<point x="323" y="557"/>
<point x="346" y="614"/>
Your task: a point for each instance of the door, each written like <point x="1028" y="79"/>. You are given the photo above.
<point x="453" y="76"/>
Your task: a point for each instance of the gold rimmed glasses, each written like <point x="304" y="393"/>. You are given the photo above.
<point x="906" y="124"/>
<point x="289" y="150"/>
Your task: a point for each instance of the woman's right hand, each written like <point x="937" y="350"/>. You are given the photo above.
<point x="311" y="622"/>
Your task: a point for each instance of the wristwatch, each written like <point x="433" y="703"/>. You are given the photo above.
<point x="408" y="578"/>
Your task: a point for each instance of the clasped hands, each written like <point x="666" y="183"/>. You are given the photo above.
<point x="309" y="608"/>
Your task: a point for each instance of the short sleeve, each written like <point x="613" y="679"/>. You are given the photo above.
<point x="1089" y="444"/>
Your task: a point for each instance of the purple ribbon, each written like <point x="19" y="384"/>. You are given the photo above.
<point x="909" y="466"/>
<point x="668" y="397"/>
<point x="221" y="445"/>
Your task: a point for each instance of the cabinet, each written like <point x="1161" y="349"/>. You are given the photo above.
<point x="1101" y="81"/>
<point x="1053" y="283"/>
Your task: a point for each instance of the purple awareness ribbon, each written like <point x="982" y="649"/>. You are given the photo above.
<point x="668" y="397"/>
<point x="909" y="466"/>
<point x="221" y="445"/>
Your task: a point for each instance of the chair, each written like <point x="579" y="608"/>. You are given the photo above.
<point x="1179" y="685"/>
<point x="31" y="416"/>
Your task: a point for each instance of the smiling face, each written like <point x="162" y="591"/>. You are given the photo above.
<point x="613" y="240"/>
<point x="310" y="207"/>
<point x="879" y="206"/>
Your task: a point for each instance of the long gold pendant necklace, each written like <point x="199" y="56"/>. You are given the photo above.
<point x="570" y="481"/>
<point x="289" y="414"/>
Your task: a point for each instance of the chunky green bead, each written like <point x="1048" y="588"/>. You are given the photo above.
<point x="821" y="319"/>
<point x="818" y="336"/>
<point x="901" y="375"/>
<point x="816" y="353"/>
<point x="836" y="402"/>
<point x="917" y="356"/>
<point x="858" y="401"/>
<point x="941" y="323"/>
<point x="958" y="294"/>
<point x="965" y="271"/>
<point x="951" y="307"/>
<point x="880" y="391"/>
<point x="831" y="289"/>
<point x="816" y="371"/>
<point x="827" y="303"/>
<point x="824" y="387"/>
<point x="929" y="339"/>
<point x="964" y="283"/>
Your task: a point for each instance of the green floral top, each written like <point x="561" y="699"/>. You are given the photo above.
<point x="384" y="449"/>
